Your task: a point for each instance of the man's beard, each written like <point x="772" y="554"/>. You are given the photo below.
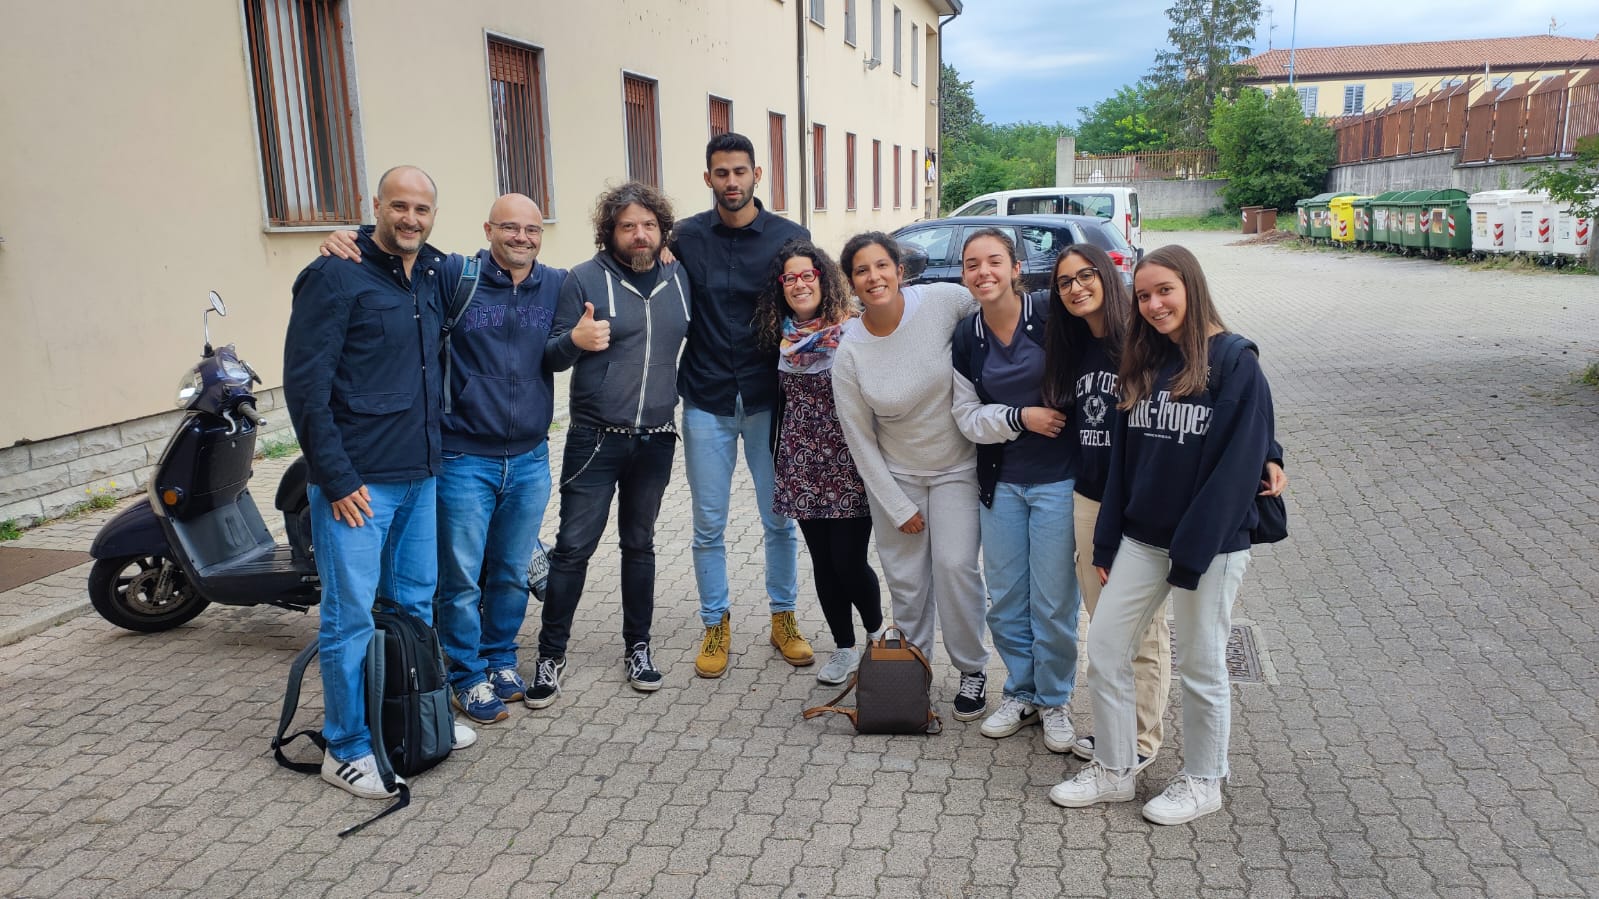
<point x="643" y="260"/>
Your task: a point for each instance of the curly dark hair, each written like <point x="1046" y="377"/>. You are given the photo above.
<point x="612" y="202"/>
<point x="861" y="241"/>
<point x="772" y="306"/>
<point x="1067" y="337"/>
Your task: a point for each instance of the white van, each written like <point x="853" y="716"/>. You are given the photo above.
<point x="1116" y="204"/>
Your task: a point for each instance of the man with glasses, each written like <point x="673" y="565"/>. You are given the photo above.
<point x="494" y="482"/>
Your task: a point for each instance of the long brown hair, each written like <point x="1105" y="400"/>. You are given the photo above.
<point x="1067" y="337"/>
<point x="1147" y="349"/>
<point x="772" y="306"/>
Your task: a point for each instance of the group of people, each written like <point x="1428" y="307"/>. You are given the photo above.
<point x="1083" y="444"/>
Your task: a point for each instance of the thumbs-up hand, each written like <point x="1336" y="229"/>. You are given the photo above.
<point x="590" y="335"/>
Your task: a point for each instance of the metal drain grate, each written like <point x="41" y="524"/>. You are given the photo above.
<point x="1243" y="656"/>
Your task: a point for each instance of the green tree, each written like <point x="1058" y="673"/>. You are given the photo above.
<point x="1270" y="152"/>
<point x="1208" y="38"/>
<point x="1120" y="123"/>
<point x="957" y="107"/>
<point x="999" y="157"/>
<point x="1577" y="186"/>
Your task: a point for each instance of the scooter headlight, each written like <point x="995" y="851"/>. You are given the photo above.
<point x="189" y="387"/>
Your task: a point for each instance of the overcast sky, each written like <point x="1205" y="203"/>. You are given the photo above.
<point x="1039" y="60"/>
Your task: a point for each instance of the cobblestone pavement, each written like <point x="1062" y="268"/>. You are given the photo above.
<point x="1427" y="727"/>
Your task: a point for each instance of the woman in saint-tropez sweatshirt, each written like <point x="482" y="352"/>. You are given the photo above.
<point x="893" y="385"/>
<point x="1189" y="453"/>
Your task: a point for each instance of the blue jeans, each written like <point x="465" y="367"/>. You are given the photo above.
<point x="1032" y="581"/>
<point x="490" y="512"/>
<point x="596" y="466"/>
<point x="710" y="451"/>
<point x="394" y="554"/>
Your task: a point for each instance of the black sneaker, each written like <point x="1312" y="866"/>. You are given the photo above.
<point x="546" y="682"/>
<point x="641" y="672"/>
<point x="1083" y="748"/>
<point x="971" y="700"/>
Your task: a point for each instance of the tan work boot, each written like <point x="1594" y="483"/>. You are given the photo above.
<point x="712" y="660"/>
<point x="786" y="637"/>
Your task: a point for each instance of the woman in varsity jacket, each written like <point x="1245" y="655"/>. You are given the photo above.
<point x="1190" y="443"/>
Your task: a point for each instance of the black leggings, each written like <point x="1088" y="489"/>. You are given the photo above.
<point x="843" y="576"/>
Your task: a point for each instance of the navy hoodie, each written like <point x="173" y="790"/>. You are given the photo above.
<point x="1186" y="470"/>
<point x="502" y="396"/>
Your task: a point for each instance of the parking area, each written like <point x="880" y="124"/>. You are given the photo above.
<point x="1423" y="724"/>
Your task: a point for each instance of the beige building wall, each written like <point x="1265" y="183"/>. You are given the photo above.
<point x="132" y="185"/>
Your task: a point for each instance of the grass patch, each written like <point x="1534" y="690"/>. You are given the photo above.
<point x="9" y="530"/>
<point x="1589" y="375"/>
<point x="280" y="448"/>
<point x="1510" y="263"/>
<point x="1212" y="221"/>
<point x="100" y="499"/>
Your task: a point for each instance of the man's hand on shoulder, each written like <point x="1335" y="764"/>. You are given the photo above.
<point x="341" y="244"/>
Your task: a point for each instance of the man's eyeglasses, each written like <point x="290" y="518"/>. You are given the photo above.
<point x="809" y="276"/>
<point x="1086" y="277"/>
<point x="512" y="229"/>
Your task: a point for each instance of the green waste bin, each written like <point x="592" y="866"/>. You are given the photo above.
<point x="1320" y="214"/>
<point x="1448" y="222"/>
<point x="1416" y="210"/>
<point x="1387" y="219"/>
<point x="1366" y="218"/>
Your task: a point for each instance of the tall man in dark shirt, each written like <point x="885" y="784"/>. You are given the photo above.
<point x="728" y="382"/>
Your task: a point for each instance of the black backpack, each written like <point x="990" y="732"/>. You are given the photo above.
<point x="407" y="703"/>
<point x="1271" y="513"/>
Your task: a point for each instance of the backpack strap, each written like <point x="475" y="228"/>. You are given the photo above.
<point x="291" y="701"/>
<point x="375" y="678"/>
<point x="817" y="711"/>
<point x="465" y="289"/>
<point x="1232" y="346"/>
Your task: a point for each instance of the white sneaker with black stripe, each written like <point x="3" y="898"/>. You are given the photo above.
<point x="358" y="777"/>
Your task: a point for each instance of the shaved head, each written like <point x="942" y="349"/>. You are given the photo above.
<point x="408" y="173"/>
<point x="515" y="231"/>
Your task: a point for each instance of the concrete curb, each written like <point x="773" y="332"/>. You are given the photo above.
<point x="43" y="620"/>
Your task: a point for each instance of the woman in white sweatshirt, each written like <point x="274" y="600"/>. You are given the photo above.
<point x="893" y="385"/>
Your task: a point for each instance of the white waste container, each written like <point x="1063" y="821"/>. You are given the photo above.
<point x="1493" y="224"/>
<point x="1535" y="223"/>
<point x="1573" y="235"/>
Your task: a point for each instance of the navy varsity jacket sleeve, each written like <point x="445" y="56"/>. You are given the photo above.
<point x="311" y="351"/>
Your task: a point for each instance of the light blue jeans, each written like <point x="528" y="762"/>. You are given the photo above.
<point x="710" y="451"/>
<point x="1203" y="622"/>
<point x="394" y="554"/>
<point x="490" y="512"/>
<point x="1032" y="584"/>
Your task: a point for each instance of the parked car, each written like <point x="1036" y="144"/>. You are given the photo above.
<point x="1038" y="238"/>
<point x="1114" y="204"/>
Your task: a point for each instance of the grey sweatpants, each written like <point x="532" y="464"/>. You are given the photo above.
<point x="932" y="577"/>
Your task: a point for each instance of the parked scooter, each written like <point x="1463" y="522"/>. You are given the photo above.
<point x="200" y="538"/>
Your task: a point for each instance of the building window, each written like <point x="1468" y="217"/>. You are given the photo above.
<point x="849" y="22"/>
<point x="849" y="171"/>
<point x="776" y="130"/>
<point x="819" y="160"/>
<point x="721" y="115"/>
<point x="877" y="30"/>
<point x="304" y="117"/>
<point x="1503" y="81"/>
<point x="915" y="174"/>
<point x="897" y="43"/>
<point x="819" y="11"/>
<point x="916" y="59"/>
<point x="877" y="174"/>
<point x="897" y="174"/>
<point x="1354" y="98"/>
<point x="1307" y="100"/>
<point x="643" y="130"/>
<point x="1404" y="90"/>
<point x="521" y="130"/>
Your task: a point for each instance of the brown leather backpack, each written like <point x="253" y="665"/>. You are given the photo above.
<point x="892" y="688"/>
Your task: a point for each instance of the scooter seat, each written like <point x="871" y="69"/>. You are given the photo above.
<point x="291" y="490"/>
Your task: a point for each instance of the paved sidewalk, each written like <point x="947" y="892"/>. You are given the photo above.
<point x="1426" y="727"/>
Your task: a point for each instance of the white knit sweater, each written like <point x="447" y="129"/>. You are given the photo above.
<point x="894" y="396"/>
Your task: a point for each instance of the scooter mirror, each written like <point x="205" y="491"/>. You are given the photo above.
<point x="216" y="304"/>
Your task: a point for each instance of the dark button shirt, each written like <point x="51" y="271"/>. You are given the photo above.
<point x="727" y="268"/>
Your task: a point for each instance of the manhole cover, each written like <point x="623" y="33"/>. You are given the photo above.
<point x="1243" y="656"/>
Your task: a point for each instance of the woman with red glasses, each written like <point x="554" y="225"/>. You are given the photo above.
<point x="803" y="311"/>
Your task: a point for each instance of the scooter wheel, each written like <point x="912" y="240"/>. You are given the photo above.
<point x="129" y="592"/>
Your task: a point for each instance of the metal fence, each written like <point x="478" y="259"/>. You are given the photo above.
<point x="1172" y="165"/>
<point x="1531" y="120"/>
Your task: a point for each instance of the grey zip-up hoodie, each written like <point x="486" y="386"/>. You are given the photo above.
<point x="633" y="382"/>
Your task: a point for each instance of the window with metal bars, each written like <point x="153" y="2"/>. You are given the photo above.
<point x="776" y="130"/>
<point x="304" y="118"/>
<point x="849" y="171"/>
<point x="721" y="115"/>
<point x="916" y="172"/>
<point x="643" y="130"/>
<point x="896" y="176"/>
<point x="819" y="161"/>
<point x="520" y="125"/>
<point x="877" y="174"/>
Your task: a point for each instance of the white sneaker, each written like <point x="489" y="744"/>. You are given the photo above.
<point x="1185" y="799"/>
<point x="1094" y="784"/>
<point x="358" y="777"/>
<point x="462" y="736"/>
<point x="1011" y="716"/>
<point x="840" y="665"/>
<point x="1058" y="733"/>
<point x="1083" y="748"/>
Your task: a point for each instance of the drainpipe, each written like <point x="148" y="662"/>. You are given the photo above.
<point x="804" y="116"/>
<point x="938" y="132"/>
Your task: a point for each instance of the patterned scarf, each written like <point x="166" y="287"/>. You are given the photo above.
<point x="808" y="347"/>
